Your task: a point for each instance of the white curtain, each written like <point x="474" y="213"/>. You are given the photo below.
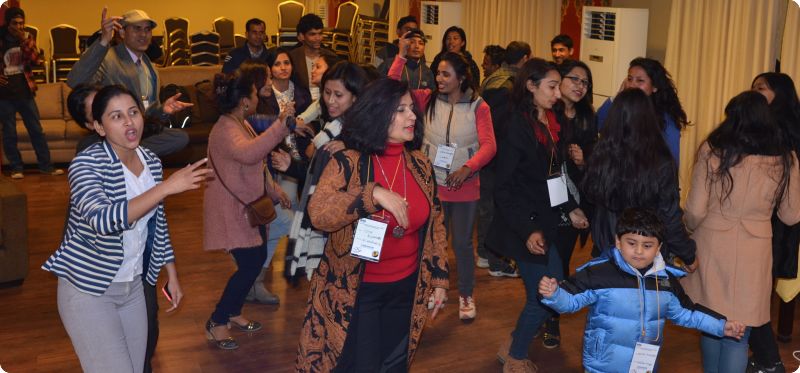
<point x="714" y="49"/>
<point x="790" y="50"/>
<point x="397" y="9"/>
<point x="502" y="21"/>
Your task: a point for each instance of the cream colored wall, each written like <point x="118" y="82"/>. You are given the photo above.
<point x="85" y="14"/>
<point x="658" y="23"/>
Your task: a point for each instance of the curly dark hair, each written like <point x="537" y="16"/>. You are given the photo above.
<point x="366" y="125"/>
<point x="631" y="160"/>
<point x="665" y="98"/>
<point x="748" y="129"/>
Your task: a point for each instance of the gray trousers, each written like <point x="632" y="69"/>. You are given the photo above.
<point x="459" y="218"/>
<point x="109" y="332"/>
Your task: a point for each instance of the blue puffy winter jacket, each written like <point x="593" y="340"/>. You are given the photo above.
<point x="619" y="297"/>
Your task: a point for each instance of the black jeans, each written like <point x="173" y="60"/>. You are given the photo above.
<point x="377" y="339"/>
<point x="248" y="262"/>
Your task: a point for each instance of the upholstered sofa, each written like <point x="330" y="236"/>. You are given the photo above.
<point x="62" y="133"/>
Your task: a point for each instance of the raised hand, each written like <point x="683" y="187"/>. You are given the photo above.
<point x="188" y="178"/>
<point x="403" y="44"/>
<point x="107" y="27"/>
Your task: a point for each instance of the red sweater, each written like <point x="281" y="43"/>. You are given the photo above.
<point x="399" y="255"/>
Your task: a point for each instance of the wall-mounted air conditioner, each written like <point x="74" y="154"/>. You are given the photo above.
<point x="610" y="39"/>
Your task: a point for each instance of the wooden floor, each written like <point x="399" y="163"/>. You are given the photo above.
<point x="32" y="338"/>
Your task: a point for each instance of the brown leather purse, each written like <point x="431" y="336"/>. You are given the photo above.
<point x="262" y="210"/>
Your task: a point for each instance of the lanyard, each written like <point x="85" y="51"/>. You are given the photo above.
<point x="408" y="77"/>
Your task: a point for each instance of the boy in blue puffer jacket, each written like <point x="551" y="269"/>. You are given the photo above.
<point x="630" y="294"/>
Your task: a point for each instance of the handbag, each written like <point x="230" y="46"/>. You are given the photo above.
<point x="258" y="212"/>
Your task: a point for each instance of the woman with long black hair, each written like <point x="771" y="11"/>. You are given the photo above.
<point x="524" y="227"/>
<point x="781" y="95"/>
<point x="579" y="134"/>
<point x="454" y="40"/>
<point x="745" y="170"/>
<point x="654" y="80"/>
<point x="631" y="166"/>
<point x="459" y="139"/>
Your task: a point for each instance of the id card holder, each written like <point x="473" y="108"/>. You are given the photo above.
<point x="444" y="155"/>
<point x="645" y="356"/>
<point x="557" y="189"/>
<point x="145" y="103"/>
<point x="368" y="239"/>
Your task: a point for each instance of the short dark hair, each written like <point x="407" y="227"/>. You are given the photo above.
<point x="253" y="22"/>
<point x="562" y="39"/>
<point x="12" y="13"/>
<point x="104" y="96"/>
<point x="230" y="88"/>
<point x="309" y="22"/>
<point x="515" y="50"/>
<point x="366" y="125"/>
<point x="352" y="76"/>
<point x="640" y="221"/>
<point x="496" y="54"/>
<point x="76" y="102"/>
<point x="407" y="19"/>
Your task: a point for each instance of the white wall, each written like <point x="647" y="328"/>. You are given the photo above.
<point x="85" y="14"/>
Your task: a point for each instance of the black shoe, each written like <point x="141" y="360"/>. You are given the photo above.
<point x="753" y="367"/>
<point x="552" y="336"/>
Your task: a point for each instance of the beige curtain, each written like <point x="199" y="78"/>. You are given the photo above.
<point x="790" y="50"/>
<point x="397" y="9"/>
<point x="714" y="49"/>
<point x="502" y="21"/>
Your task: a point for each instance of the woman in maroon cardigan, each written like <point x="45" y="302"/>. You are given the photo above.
<point x="237" y="156"/>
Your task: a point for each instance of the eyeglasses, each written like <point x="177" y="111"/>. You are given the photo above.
<point x="578" y="81"/>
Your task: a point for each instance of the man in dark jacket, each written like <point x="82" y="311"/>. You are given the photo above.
<point x="253" y="49"/>
<point x="17" y="89"/>
<point x="388" y="52"/>
<point x="416" y="73"/>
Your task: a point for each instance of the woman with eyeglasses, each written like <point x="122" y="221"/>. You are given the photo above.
<point x="579" y="134"/>
<point x="653" y="79"/>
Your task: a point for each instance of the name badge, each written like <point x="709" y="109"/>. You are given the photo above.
<point x="145" y="103"/>
<point x="444" y="156"/>
<point x="368" y="239"/>
<point x="644" y="358"/>
<point x="557" y="188"/>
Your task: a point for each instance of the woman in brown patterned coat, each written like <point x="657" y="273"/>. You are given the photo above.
<point x="363" y="315"/>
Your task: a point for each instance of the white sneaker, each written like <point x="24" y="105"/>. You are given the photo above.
<point x="466" y="309"/>
<point x="17" y="175"/>
<point x="482" y="263"/>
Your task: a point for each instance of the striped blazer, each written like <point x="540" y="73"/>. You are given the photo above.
<point x="91" y="252"/>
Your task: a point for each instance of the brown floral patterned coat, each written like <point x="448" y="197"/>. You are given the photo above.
<point x="335" y="207"/>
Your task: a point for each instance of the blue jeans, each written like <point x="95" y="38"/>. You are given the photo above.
<point x="724" y="355"/>
<point x="248" y="265"/>
<point x="277" y="229"/>
<point x="30" y="117"/>
<point x="534" y="313"/>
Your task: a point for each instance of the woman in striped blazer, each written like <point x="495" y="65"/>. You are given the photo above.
<point x="116" y="232"/>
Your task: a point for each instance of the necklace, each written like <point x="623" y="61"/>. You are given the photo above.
<point x="398" y="231"/>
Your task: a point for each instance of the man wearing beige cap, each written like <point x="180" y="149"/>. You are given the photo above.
<point x="127" y="64"/>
